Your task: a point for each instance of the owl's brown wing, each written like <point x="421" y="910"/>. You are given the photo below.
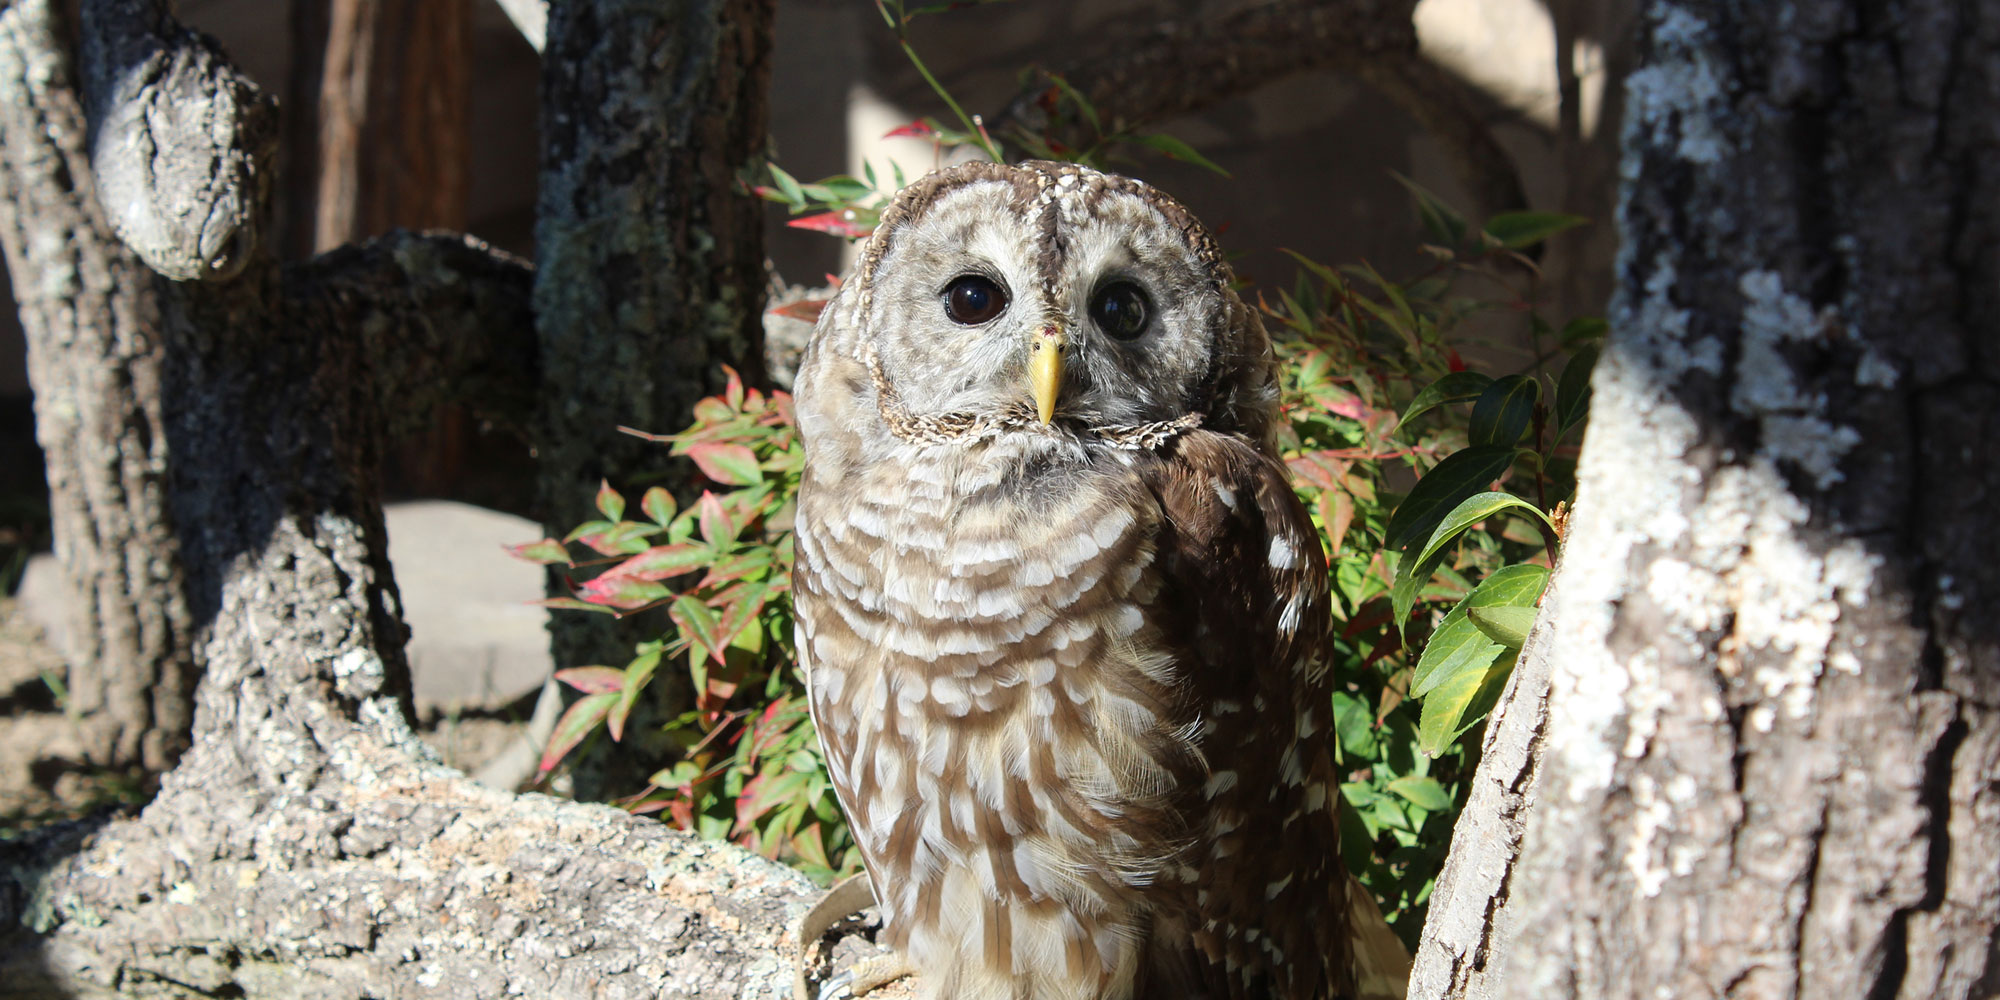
<point x="1246" y="588"/>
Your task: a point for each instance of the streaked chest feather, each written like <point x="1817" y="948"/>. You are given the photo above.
<point x="998" y="704"/>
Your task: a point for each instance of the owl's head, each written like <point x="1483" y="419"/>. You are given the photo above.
<point x="1045" y="294"/>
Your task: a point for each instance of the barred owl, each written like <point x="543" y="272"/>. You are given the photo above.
<point x="1062" y="619"/>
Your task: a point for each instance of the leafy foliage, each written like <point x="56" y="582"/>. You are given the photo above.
<point x="749" y="768"/>
<point x="1408" y="460"/>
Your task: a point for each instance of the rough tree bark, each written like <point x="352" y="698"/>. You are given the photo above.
<point x="90" y="310"/>
<point x="1755" y="750"/>
<point x="307" y="845"/>
<point x="651" y="267"/>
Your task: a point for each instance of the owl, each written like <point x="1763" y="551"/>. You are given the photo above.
<point x="1062" y="620"/>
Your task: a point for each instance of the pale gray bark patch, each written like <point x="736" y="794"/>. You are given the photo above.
<point x="1768" y="762"/>
<point x="181" y="143"/>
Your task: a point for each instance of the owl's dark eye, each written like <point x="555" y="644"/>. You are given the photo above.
<point x="971" y="299"/>
<point x="1121" y="310"/>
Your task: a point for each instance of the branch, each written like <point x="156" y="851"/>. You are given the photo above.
<point x="1179" y="68"/>
<point x="443" y="318"/>
<point x="404" y="880"/>
<point x="181" y="142"/>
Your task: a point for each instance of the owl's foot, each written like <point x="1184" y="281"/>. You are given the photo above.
<point x="866" y="977"/>
<point x="845" y="899"/>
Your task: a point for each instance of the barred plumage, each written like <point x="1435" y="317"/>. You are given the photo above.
<point x="1069" y="675"/>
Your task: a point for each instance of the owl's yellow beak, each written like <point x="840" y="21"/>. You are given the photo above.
<point x="1045" y="369"/>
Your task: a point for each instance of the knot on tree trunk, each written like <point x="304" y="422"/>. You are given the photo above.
<point x="182" y="144"/>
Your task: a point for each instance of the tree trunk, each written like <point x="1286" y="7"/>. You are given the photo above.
<point x="1759" y="756"/>
<point x="651" y="269"/>
<point x="388" y="149"/>
<point x="90" y="311"/>
<point x="307" y="845"/>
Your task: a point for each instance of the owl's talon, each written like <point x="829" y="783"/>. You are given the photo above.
<point x="837" y="988"/>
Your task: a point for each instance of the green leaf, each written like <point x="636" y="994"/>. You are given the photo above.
<point x="663" y="561"/>
<point x="1456" y="647"/>
<point x="1502" y="413"/>
<point x="573" y="604"/>
<point x="547" y="551"/>
<point x="1082" y="104"/>
<point x="788" y="186"/>
<point x="610" y="502"/>
<point x="574" y="725"/>
<point x="1573" y="390"/>
<point x="1583" y="328"/>
<point x="1506" y="626"/>
<point x="1517" y="230"/>
<point x="1459" y="646"/>
<point x="659" y="505"/>
<point x="1178" y="150"/>
<point x="1425" y="793"/>
<point x="1440" y="220"/>
<point x="1474" y="509"/>
<point x="1456" y="387"/>
<point x="1460" y="475"/>
<point x="1354" y="726"/>
<point x="637" y="673"/>
<point x="1458" y="704"/>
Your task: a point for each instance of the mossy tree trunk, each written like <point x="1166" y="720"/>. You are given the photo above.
<point x="1754" y="748"/>
<point x="650" y="273"/>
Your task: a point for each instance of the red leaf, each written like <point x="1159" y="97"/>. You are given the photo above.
<point x="575" y="724"/>
<point x="697" y="623"/>
<point x="593" y="680"/>
<point x="733" y="392"/>
<point x="837" y="223"/>
<point x="728" y="464"/>
<point x="1353" y="409"/>
<point x="918" y="129"/>
<point x="1457" y="363"/>
<point x="622" y="592"/>
<point x="1340" y="519"/>
<point x="805" y="309"/>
